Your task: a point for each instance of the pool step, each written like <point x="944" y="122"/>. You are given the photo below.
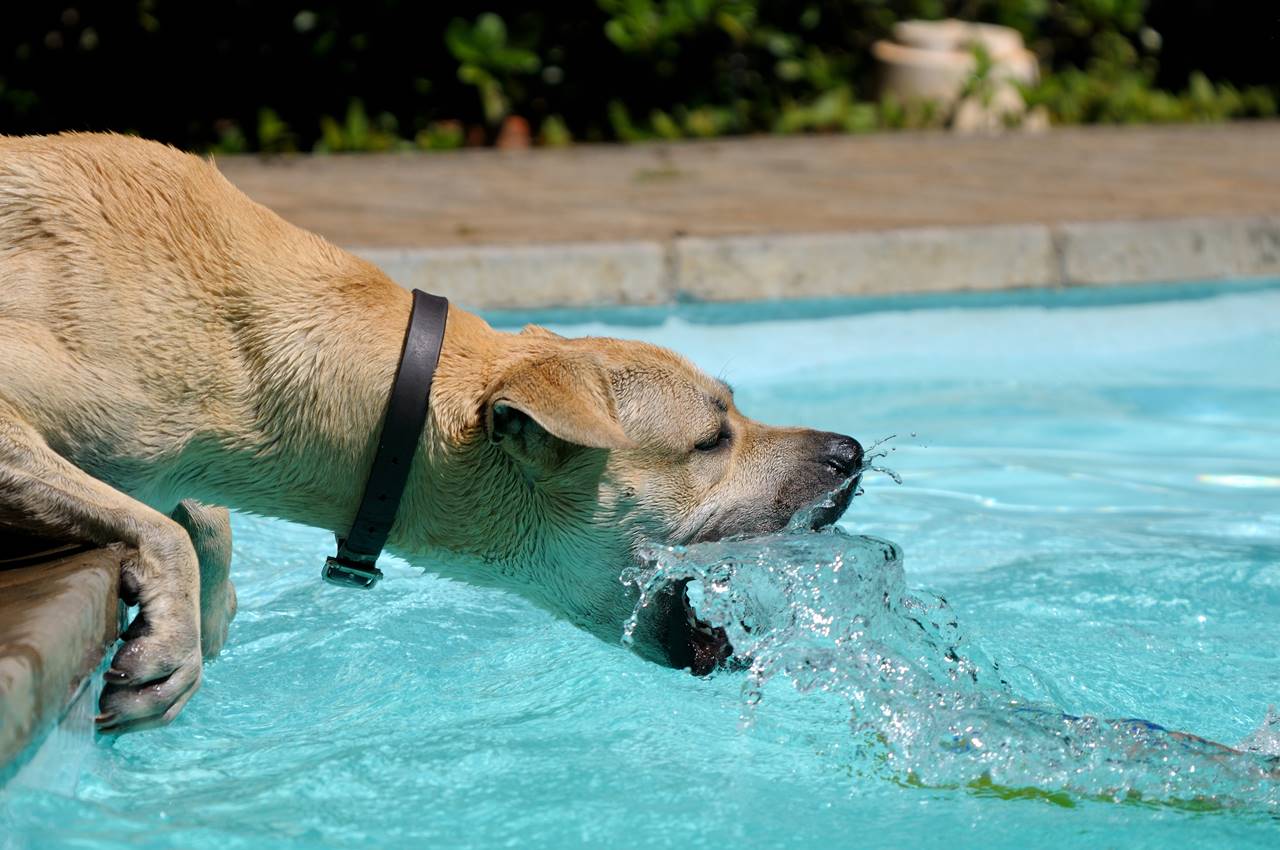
<point x="59" y="614"/>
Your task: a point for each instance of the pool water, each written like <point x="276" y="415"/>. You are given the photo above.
<point x="1093" y="487"/>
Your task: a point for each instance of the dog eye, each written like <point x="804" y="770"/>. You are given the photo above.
<point x="709" y="445"/>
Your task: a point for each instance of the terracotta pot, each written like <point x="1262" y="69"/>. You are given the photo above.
<point x="514" y="134"/>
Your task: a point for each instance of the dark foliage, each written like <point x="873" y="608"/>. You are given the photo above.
<point x="377" y="74"/>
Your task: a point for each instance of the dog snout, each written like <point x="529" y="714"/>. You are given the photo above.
<point x="842" y="454"/>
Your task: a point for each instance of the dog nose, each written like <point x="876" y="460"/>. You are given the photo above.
<point x="843" y="454"/>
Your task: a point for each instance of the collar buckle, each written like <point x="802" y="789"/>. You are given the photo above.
<point x="348" y="573"/>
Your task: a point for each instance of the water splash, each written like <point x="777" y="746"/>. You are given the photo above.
<point x="1266" y="738"/>
<point x="830" y="614"/>
<point x="870" y="455"/>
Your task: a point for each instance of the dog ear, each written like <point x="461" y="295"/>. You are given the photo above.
<point x="568" y="395"/>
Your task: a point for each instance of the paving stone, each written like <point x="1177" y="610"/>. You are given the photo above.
<point x="1179" y="249"/>
<point x="865" y="263"/>
<point x="532" y="276"/>
<point x="768" y="185"/>
<point x="798" y="216"/>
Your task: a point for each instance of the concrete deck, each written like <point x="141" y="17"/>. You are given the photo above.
<point x="58" y="616"/>
<point x="797" y="217"/>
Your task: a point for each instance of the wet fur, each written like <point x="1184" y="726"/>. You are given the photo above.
<point x="167" y="345"/>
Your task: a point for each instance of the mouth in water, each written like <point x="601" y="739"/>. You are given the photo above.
<point x="691" y="641"/>
<point x="696" y="644"/>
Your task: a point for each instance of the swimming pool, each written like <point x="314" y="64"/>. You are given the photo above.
<point x="1092" y="483"/>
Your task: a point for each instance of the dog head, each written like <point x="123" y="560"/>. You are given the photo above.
<point x="589" y="447"/>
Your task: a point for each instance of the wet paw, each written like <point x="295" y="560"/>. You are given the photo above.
<point x="149" y="681"/>
<point x="216" y="613"/>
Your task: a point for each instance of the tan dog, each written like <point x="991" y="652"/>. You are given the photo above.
<point x="167" y="344"/>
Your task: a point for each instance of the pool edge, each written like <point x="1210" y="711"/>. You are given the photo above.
<point x="58" y="618"/>
<point x="863" y="263"/>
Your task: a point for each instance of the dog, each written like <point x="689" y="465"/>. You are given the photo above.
<point x="170" y="349"/>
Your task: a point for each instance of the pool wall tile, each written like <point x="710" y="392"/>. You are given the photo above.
<point x="1260" y="253"/>
<point x="1175" y="249"/>
<point x="839" y="264"/>
<point x="532" y="276"/>
<point x="865" y="263"/>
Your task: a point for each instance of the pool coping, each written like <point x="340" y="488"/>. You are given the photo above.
<point x="59" y="615"/>
<point x="790" y="266"/>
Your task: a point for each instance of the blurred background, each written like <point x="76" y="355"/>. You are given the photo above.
<point x="247" y="75"/>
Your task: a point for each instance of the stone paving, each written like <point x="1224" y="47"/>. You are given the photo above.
<point x="656" y="192"/>
<point x="790" y="217"/>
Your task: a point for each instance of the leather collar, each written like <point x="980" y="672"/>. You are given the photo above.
<point x="355" y="565"/>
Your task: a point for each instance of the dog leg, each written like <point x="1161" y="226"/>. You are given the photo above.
<point x="210" y="532"/>
<point x="158" y="668"/>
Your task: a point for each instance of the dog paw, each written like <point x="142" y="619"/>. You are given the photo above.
<point x="151" y="678"/>
<point x="217" y="610"/>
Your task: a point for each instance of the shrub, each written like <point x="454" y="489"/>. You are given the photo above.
<point x="290" y="75"/>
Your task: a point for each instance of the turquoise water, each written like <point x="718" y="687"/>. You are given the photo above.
<point x="1093" y="488"/>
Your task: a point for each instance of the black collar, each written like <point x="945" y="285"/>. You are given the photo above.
<point x="355" y="565"/>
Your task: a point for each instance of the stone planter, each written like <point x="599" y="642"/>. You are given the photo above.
<point x="936" y="61"/>
<point x="953" y="35"/>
